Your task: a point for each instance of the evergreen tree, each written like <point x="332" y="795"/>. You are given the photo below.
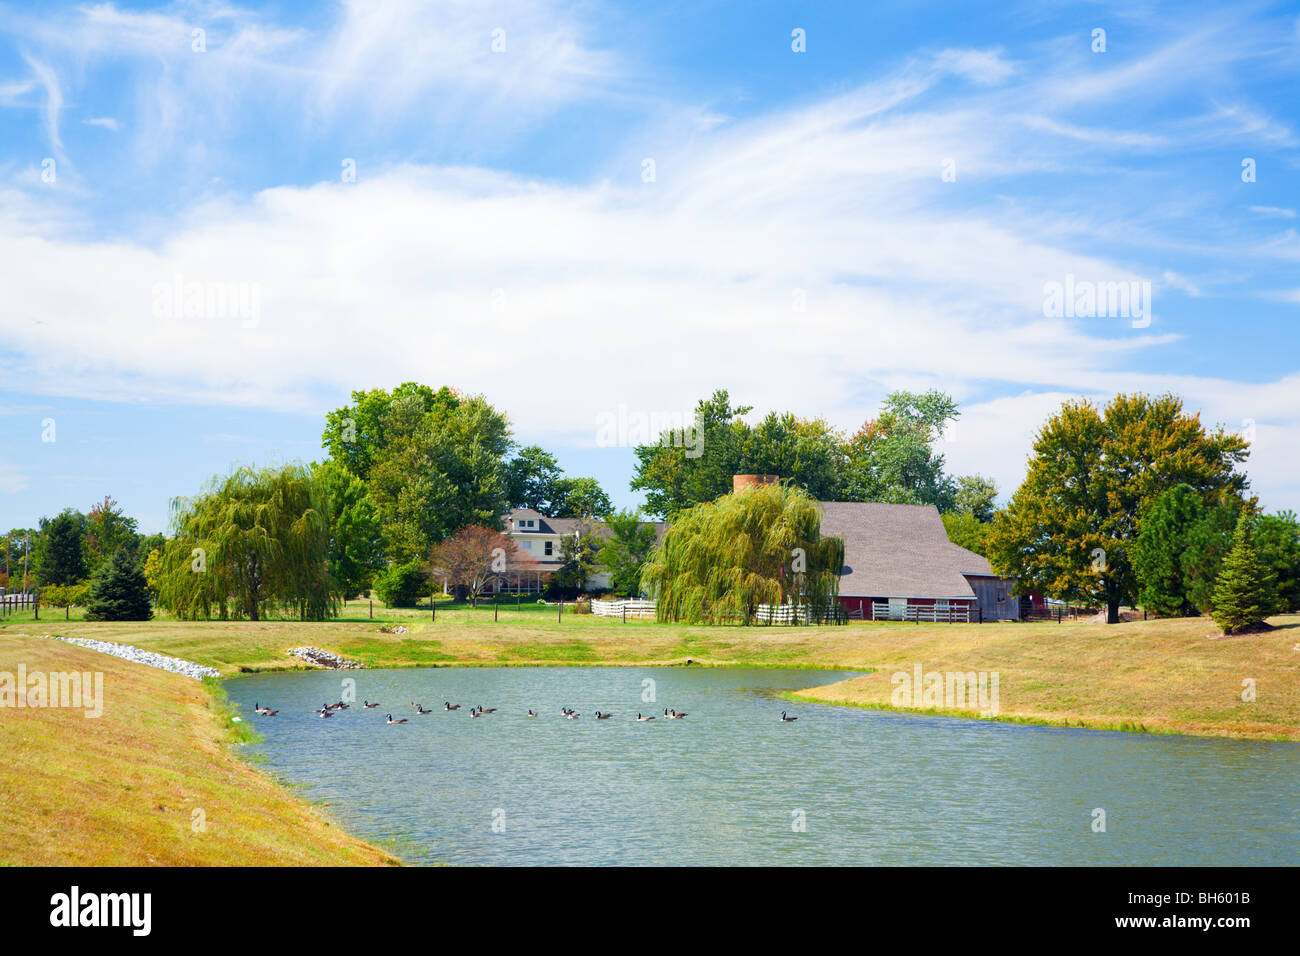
<point x="1157" y="554"/>
<point x="1246" y="592"/>
<point x="119" y="591"/>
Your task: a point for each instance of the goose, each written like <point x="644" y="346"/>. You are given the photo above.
<point x="531" y="712"/>
<point x="448" y="705"/>
<point x="787" y="720"/>
<point x="573" y="715"/>
<point x="367" y="704"/>
<point x="600" y="716"/>
<point x="490" y="710"/>
<point x="340" y="706"/>
<point x="419" y="709"/>
<point x="473" y="712"/>
<point x="674" y="715"/>
<point x="399" y="720"/>
<point x="268" y="712"/>
<point x="327" y="713"/>
<point x="644" y="719"/>
<point x="259" y="709"/>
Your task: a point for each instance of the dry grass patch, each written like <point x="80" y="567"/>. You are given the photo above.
<point x="121" y="789"/>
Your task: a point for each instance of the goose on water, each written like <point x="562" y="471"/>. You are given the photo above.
<point x="787" y="720"/>
<point x="399" y="720"/>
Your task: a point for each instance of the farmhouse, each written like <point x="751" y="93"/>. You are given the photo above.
<point x="540" y="543"/>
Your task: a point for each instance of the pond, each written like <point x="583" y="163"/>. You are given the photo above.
<point x="731" y="784"/>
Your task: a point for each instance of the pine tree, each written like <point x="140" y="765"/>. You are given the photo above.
<point x="119" y="591"/>
<point x="1246" y="591"/>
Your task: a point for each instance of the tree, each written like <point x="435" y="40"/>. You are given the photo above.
<point x="685" y="467"/>
<point x="108" y="529"/>
<point x="967" y="531"/>
<point x="253" y="541"/>
<point x="1067" y="530"/>
<point x="578" y="552"/>
<point x="761" y="545"/>
<point x="1158" y="551"/>
<point x="531" y="477"/>
<point x="153" y="570"/>
<point x="358" y="434"/>
<point x="58" y="556"/>
<point x="975" y="496"/>
<point x="119" y="591"/>
<point x="1246" y="591"/>
<point x="355" y="537"/>
<point x="625" y="551"/>
<point x="579" y="498"/>
<point x="440" y="468"/>
<point x="1206" y="544"/>
<point x="892" y="459"/>
<point x="1278" y="539"/>
<point x="472" y="558"/>
<point x="679" y="470"/>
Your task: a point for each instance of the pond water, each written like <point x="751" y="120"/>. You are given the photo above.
<point x="731" y="784"/>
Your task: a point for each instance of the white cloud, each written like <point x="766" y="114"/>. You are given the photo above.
<point x="104" y="122"/>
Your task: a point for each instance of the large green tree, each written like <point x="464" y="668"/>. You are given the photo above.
<point x="1157" y="553"/>
<point x="355" y="537"/>
<point x="892" y="458"/>
<point x="1278" y="538"/>
<point x="761" y="545"/>
<point x="58" y="552"/>
<point x="252" y="542"/>
<point x="531" y="478"/>
<point x="437" y="465"/>
<point x="108" y="530"/>
<point x="625" y="551"/>
<point x="1068" y="529"/>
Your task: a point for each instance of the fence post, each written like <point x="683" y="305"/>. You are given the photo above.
<point x="372" y="609"/>
<point x="560" y="615"/>
<point x="494" y="609"/>
<point x="624" y="612"/>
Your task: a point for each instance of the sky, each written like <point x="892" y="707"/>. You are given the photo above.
<point x="218" y="220"/>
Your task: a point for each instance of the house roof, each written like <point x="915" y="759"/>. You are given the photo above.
<point x="562" y="526"/>
<point x="899" y="551"/>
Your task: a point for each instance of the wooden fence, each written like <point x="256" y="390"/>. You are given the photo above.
<point x="952" y="614"/>
<point x="11" y="603"/>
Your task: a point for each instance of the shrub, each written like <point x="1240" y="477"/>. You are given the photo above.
<point x="401" y="585"/>
<point x="119" y="591"/>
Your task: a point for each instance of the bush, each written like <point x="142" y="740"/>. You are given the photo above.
<point x="119" y="591"/>
<point x="66" y="595"/>
<point x="401" y="585"/>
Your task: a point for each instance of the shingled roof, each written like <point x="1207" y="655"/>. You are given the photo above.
<point x="899" y="551"/>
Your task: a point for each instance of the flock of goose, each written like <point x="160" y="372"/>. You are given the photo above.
<point x="328" y="710"/>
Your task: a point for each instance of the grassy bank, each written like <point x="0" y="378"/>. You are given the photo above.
<point x="122" y="789"/>
<point x="1160" y="676"/>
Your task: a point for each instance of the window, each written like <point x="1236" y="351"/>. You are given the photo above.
<point x="1002" y="596"/>
<point x="550" y="547"/>
<point x="528" y="545"/>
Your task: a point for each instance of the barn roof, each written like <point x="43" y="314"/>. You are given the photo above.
<point x="899" y="551"/>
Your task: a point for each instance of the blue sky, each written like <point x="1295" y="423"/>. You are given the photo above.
<point x="883" y="210"/>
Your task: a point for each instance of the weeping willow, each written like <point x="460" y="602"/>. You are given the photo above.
<point x="253" y="543"/>
<point x="761" y="545"/>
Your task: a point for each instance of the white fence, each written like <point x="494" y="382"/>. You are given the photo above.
<point x="934" y="613"/>
<point x="789" y="614"/>
<point x="623" y="609"/>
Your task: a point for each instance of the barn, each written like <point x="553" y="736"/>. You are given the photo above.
<point x="899" y="565"/>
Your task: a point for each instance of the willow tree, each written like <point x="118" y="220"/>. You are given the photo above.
<point x="254" y="541"/>
<point x="761" y="545"/>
